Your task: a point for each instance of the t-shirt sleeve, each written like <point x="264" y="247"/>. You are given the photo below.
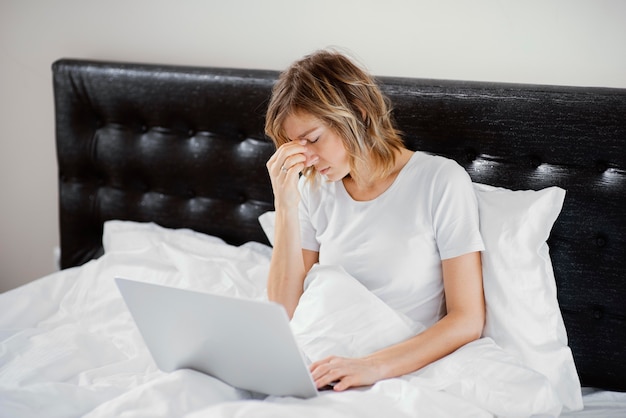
<point x="307" y="231"/>
<point x="455" y="212"/>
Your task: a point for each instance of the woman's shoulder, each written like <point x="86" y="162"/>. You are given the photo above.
<point x="434" y="174"/>
<point x="431" y="165"/>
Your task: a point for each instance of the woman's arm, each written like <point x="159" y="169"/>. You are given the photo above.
<point x="463" y="323"/>
<point x="289" y="263"/>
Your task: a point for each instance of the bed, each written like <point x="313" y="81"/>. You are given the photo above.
<point x="162" y="178"/>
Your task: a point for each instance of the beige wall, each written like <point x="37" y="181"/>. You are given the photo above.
<point x="572" y="42"/>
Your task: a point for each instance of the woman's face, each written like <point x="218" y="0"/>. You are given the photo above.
<point x="322" y="143"/>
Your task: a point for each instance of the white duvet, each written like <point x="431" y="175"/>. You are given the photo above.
<point x="69" y="347"/>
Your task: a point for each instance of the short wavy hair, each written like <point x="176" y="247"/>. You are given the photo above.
<point x="331" y="87"/>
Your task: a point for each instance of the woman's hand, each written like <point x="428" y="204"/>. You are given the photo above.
<point x="345" y="373"/>
<point x="284" y="168"/>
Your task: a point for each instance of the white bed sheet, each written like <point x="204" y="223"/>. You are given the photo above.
<point x="69" y="347"/>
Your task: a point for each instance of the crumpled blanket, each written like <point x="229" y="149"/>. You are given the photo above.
<point x="69" y="346"/>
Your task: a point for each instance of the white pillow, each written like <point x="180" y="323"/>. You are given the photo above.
<point x="337" y="315"/>
<point x="523" y="315"/>
<point x="267" y="221"/>
<point x="130" y="236"/>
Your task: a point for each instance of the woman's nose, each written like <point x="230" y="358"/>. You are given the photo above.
<point x="311" y="156"/>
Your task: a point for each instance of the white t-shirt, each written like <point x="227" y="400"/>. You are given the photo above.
<point x="394" y="244"/>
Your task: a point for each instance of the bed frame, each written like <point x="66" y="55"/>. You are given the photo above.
<point x="184" y="147"/>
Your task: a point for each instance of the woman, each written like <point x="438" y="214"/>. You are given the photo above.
<point x="404" y="224"/>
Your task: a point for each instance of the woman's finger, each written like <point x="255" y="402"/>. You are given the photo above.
<point x="292" y="161"/>
<point x="286" y="156"/>
<point x="327" y="371"/>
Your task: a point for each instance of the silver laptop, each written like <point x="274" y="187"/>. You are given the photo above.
<point x="245" y="343"/>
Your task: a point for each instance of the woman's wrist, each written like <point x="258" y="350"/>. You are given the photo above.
<point x="379" y="367"/>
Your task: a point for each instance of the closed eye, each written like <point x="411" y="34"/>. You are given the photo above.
<point x="313" y="141"/>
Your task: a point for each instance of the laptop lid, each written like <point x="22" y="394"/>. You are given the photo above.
<point x="245" y="343"/>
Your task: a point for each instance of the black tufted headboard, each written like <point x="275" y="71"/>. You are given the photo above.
<point x="184" y="147"/>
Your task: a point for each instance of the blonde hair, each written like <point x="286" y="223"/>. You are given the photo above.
<point x="332" y="88"/>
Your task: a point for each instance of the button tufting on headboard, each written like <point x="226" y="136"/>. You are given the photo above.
<point x="598" y="312"/>
<point x="534" y="161"/>
<point x="600" y="240"/>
